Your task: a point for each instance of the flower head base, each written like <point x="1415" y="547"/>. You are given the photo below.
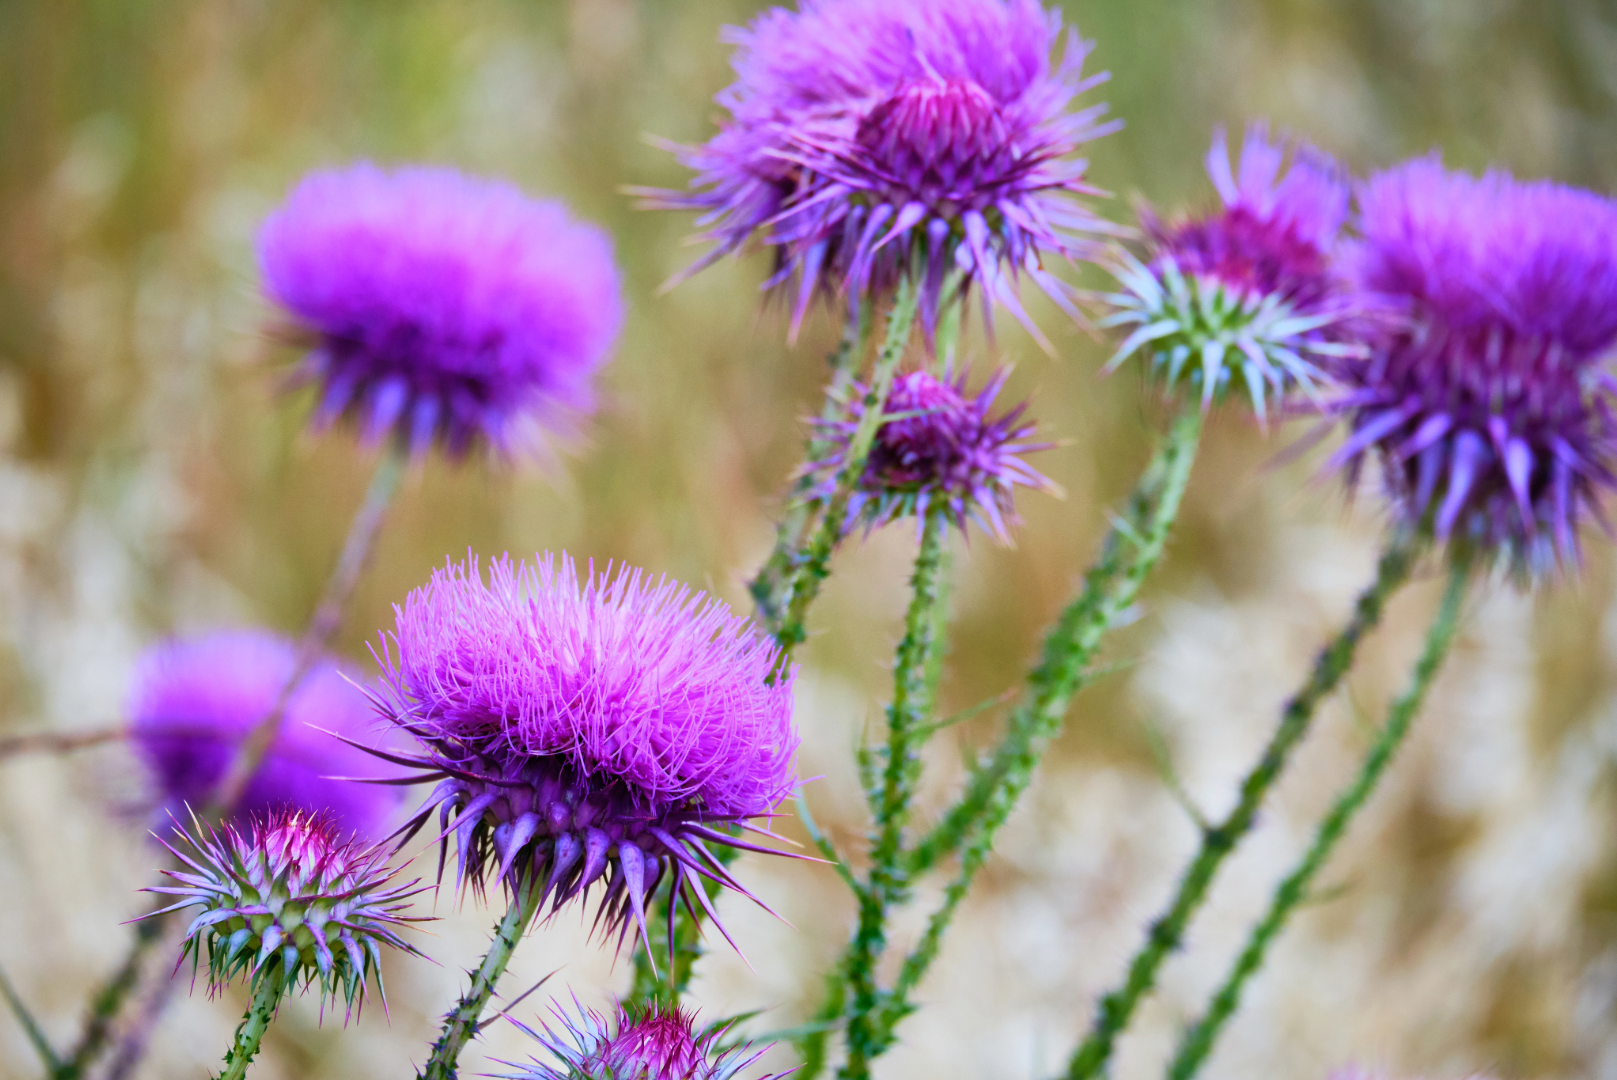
<point x="873" y="139"/>
<point x="286" y="895"/>
<point x="578" y="728"/>
<point x="444" y="307"/>
<point x="192" y="702"/>
<point x="1485" y="402"/>
<point x="940" y="449"/>
<point x="1243" y="299"/>
<point x="650" y="1045"/>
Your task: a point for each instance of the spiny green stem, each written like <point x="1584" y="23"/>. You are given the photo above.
<point x="1219" y="841"/>
<point x="461" y="1025"/>
<point x="815" y="564"/>
<point x="244" y="1047"/>
<point x="1198" y="1041"/>
<point x="888" y="884"/>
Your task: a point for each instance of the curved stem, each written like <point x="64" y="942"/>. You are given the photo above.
<point x="1198" y="1041"/>
<point x="461" y="1025"/>
<point x="1218" y="841"/>
<point x="266" y="996"/>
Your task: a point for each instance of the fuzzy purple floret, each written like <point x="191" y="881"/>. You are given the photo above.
<point x="192" y="702"/>
<point x="653" y="1044"/>
<point x="1485" y="398"/>
<point x="446" y="307"/>
<point x="949" y="453"/>
<point x="869" y="139"/>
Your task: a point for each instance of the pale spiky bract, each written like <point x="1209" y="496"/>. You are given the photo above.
<point x="1243" y="300"/>
<point x="286" y="895"/>
<point x="651" y="1044"/>
<point x="581" y="727"/>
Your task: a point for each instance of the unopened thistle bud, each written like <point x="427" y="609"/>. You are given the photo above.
<point x="653" y="1044"/>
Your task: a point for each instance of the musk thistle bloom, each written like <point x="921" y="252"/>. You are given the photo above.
<point x="285" y="896"/>
<point x="652" y="1044"/>
<point x="443" y="306"/>
<point x="941" y="448"/>
<point x="873" y="139"/>
<point x="1486" y="402"/>
<point x="192" y="702"/>
<point x="1243" y="299"/>
<point x="607" y="726"/>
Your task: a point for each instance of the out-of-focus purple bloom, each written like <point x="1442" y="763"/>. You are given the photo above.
<point x="650" y="1045"/>
<point x="288" y="892"/>
<point x="870" y="139"/>
<point x="581" y="727"/>
<point x="943" y="450"/>
<point x="1245" y="297"/>
<point x="1485" y="401"/>
<point x="192" y="702"/>
<point x="445" y="306"/>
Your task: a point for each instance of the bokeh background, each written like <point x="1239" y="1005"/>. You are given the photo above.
<point x="152" y="481"/>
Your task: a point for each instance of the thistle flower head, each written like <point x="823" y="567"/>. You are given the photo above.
<point x="1485" y="402"/>
<point x="939" y="449"/>
<point x="653" y="1044"/>
<point x="287" y="895"/>
<point x="443" y="307"/>
<point x="192" y="701"/>
<point x="607" y="724"/>
<point x="1243" y="299"/>
<point x="873" y="139"/>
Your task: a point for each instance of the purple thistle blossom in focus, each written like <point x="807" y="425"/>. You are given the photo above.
<point x="288" y="891"/>
<point x="1244" y="298"/>
<point x="192" y="702"/>
<point x="443" y="306"/>
<point x="653" y="1044"/>
<point x="581" y="729"/>
<point x="1485" y="400"/>
<point x="941" y="448"/>
<point x="873" y="139"/>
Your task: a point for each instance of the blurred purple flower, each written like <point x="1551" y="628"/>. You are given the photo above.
<point x="445" y="306"/>
<point x="944" y="450"/>
<point x="650" y="1045"/>
<point x="1485" y="400"/>
<point x="1245" y="297"/>
<point x="577" y="727"/>
<point x="192" y="702"/>
<point x="870" y="139"/>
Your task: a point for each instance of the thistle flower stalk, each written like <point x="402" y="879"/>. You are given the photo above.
<point x="250" y="1032"/>
<point x="1198" y="1040"/>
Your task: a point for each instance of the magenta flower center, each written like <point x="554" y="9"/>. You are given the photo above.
<point x="1251" y="256"/>
<point x="937" y="141"/>
<point x="927" y="448"/>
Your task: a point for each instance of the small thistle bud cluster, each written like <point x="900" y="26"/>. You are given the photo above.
<point x="287" y="895"/>
<point x="937" y="448"/>
<point x="654" y="1044"/>
<point x="1241" y="301"/>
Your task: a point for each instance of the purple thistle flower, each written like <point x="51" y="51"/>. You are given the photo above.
<point x="581" y="727"/>
<point x="872" y="139"/>
<point x="443" y="306"/>
<point x="1484" y="400"/>
<point x="940" y="449"/>
<point x="193" y="701"/>
<point x="653" y="1044"/>
<point x="1245" y="296"/>
<point x="287" y="892"/>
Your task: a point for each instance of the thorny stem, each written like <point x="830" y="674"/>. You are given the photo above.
<point x="1198" y="1041"/>
<point x="1219" y="841"/>
<point x="461" y="1025"/>
<point x="887" y="883"/>
<point x="244" y="1047"/>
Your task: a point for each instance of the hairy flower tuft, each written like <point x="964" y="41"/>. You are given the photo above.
<point x="873" y="139"/>
<point x="1243" y="299"/>
<point x="286" y="895"/>
<point x="192" y="702"/>
<point x="609" y="725"/>
<point x="444" y="307"/>
<point x="1485" y="401"/>
<point x="652" y="1044"/>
